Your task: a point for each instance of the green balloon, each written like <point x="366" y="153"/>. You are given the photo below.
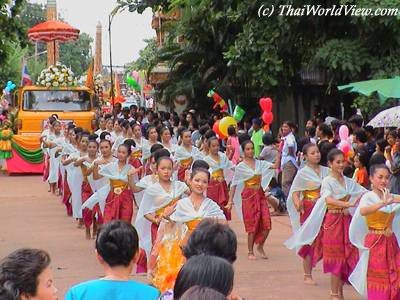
<point x="238" y="113"/>
<point x="132" y="83"/>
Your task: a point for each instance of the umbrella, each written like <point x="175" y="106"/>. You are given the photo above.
<point x="385" y="88"/>
<point x="387" y="118"/>
<point x="52" y="31"/>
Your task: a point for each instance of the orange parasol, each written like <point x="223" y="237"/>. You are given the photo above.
<point x="52" y="31"/>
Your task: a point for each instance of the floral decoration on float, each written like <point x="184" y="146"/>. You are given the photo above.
<point x="57" y="75"/>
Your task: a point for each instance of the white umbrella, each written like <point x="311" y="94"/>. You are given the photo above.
<point x="387" y="118"/>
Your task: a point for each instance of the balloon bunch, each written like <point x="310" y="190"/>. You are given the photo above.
<point x="9" y="87"/>
<point x="220" y="127"/>
<point x="267" y="115"/>
<point x="344" y="144"/>
<point x="218" y="101"/>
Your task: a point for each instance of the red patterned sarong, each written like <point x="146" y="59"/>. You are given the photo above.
<point x="181" y="173"/>
<point x="218" y="192"/>
<point x="87" y="214"/>
<point x="46" y="166"/>
<point x="255" y="211"/>
<point x="339" y="255"/>
<point x="148" y="170"/>
<point x="67" y="196"/>
<point x="119" y="207"/>
<point x="383" y="277"/>
<point x="314" y="250"/>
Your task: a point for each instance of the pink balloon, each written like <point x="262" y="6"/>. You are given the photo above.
<point x="135" y="75"/>
<point x="343" y="133"/>
<point x="345" y="147"/>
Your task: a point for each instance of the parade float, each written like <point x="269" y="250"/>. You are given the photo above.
<point x="56" y="92"/>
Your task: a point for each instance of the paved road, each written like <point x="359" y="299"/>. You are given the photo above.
<point x="31" y="217"/>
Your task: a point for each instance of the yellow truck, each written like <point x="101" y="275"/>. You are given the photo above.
<point x="37" y="103"/>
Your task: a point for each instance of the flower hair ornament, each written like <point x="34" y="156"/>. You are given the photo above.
<point x="108" y="138"/>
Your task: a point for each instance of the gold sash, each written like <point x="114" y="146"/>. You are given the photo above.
<point x="185" y="163"/>
<point x="379" y="221"/>
<point x="160" y="211"/>
<point x="254" y="182"/>
<point x="218" y="175"/>
<point x="312" y="195"/>
<point x="118" y="186"/>
<point x="137" y="154"/>
<point x="192" y="224"/>
<point x="338" y="209"/>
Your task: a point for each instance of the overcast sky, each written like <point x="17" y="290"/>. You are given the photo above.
<point x="128" y="29"/>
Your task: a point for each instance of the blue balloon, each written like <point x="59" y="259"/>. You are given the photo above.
<point x="13" y="86"/>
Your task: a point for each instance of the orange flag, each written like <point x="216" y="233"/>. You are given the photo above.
<point x="118" y="98"/>
<point x="89" y="78"/>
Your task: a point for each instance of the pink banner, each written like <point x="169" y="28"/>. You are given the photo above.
<point x="17" y="165"/>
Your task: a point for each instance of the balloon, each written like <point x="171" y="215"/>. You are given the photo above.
<point x="343" y="133"/>
<point x="266" y="104"/>
<point x="133" y="83"/>
<point x="224" y="123"/>
<point x="215" y="128"/>
<point x="238" y="113"/>
<point x="267" y="117"/>
<point x="9" y="87"/>
<point x="135" y="75"/>
<point x="345" y="148"/>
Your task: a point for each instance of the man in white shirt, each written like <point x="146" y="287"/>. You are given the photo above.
<point x="288" y="157"/>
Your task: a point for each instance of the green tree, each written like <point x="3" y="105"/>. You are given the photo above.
<point x="78" y="54"/>
<point x="12" y="35"/>
<point x="147" y="57"/>
<point x="228" y="45"/>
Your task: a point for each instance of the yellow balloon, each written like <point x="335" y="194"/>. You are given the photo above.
<point x="224" y="123"/>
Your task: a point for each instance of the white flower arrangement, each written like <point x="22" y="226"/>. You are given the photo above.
<point x="56" y="75"/>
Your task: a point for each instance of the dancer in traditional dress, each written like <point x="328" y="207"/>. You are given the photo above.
<point x="123" y="136"/>
<point x="136" y="159"/>
<point x="176" y="229"/>
<point x="75" y="177"/>
<point x="109" y="125"/>
<point x="375" y="231"/>
<point x="88" y="184"/>
<point x="221" y="169"/>
<point x="141" y="185"/>
<point x="332" y="215"/>
<point x="304" y="193"/>
<point x="69" y="147"/>
<point x="54" y="143"/>
<point x="249" y="192"/>
<point x="44" y="137"/>
<point x="119" y="202"/>
<point x="159" y="201"/>
<point x="186" y="154"/>
<point x="152" y="136"/>
<point x="96" y="203"/>
<point x="165" y="135"/>
<point x="102" y="126"/>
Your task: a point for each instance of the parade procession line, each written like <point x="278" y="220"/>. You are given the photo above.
<point x="31" y="217"/>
